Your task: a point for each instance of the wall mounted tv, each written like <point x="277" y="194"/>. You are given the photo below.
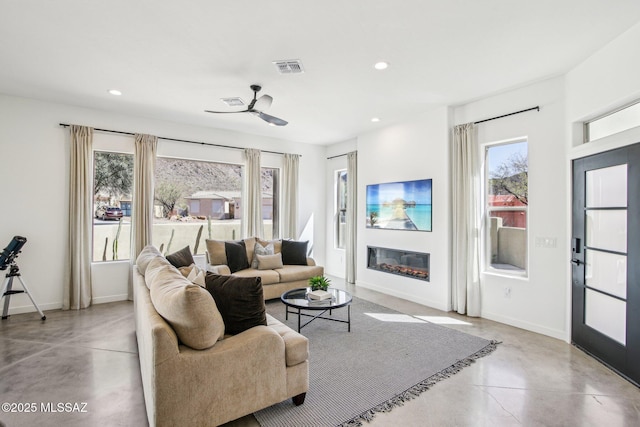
<point x="400" y="205"/>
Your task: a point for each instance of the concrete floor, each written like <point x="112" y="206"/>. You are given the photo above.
<point x="87" y="362"/>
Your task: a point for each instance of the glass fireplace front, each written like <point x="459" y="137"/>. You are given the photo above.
<point x="404" y="263"/>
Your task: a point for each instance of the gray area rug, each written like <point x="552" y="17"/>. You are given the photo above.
<point x="375" y="367"/>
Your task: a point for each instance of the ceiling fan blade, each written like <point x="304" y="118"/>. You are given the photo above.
<point x="263" y="103"/>
<point x="226" y="112"/>
<point x="271" y="120"/>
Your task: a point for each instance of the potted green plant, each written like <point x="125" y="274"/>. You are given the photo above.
<point x="319" y="283"/>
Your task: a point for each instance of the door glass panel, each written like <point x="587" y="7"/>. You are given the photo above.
<point x="607" y="272"/>
<point x="606" y="315"/>
<point x="607" y="229"/>
<point x="607" y="187"/>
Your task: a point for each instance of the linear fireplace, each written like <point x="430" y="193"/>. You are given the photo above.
<point x="404" y="263"/>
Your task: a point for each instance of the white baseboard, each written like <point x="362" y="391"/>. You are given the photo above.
<point x="109" y="298"/>
<point x="406" y="296"/>
<point x="553" y="333"/>
<point x="29" y="308"/>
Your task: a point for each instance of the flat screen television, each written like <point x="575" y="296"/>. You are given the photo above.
<point x="402" y="205"/>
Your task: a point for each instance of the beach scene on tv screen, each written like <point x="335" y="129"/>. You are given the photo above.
<point x="400" y="205"/>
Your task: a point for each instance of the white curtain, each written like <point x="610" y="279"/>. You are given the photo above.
<point x="77" y="290"/>
<point x="465" y="191"/>
<point x="352" y="216"/>
<point x="290" y="196"/>
<point x="143" y="187"/>
<point x="252" y="195"/>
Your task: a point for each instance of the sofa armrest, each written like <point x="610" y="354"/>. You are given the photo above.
<point x="222" y="269"/>
<point x="237" y="376"/>
<point x="311" y="261"/>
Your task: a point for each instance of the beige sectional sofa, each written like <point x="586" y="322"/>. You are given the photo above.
<point x="276" y="277"/>
<point x="192" y="372"/>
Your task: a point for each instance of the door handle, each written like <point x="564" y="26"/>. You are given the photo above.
<point x="576" y="261"/>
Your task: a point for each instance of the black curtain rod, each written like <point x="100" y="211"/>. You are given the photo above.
<point x="340" y="155"/>
<point x="177" y="140"/>
<point x="537" y="107"/>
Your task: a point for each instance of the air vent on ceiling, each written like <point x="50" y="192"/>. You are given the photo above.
<point x="291" y="66"/>
<point x="233" y="102"/>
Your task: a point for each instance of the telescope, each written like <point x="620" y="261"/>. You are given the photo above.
<point x="10" y="253"/>
<point x="8" y="260"/>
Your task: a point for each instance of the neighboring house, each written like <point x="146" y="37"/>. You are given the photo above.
<point x="224" y="204"/>
<point x="517" y="219"/>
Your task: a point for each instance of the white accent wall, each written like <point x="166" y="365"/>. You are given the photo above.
<point x="416" y="149"/>
<point x="34" y="163"/>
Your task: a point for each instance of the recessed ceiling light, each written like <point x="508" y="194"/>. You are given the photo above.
<point x="381" y="65"/>
<point x="115" y="92"/>
<point x="375" y="120"/>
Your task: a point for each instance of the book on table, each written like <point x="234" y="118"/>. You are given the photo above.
<point x="320" y="295"/>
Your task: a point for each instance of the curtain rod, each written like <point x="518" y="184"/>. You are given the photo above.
<point x="339" y="155"/>
<point x="537" y="107"/>
<point x="178" y="140"/>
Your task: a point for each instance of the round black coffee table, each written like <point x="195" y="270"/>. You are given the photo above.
<point x="298" y="300"/>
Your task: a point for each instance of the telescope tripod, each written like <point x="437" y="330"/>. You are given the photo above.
<point x="7" y="291"/>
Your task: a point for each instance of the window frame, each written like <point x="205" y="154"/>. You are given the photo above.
<point x="486" y="241"/>
<point x="337" y="207"/>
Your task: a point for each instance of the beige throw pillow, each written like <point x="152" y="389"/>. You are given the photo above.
<point x="216" y="251"/>
<point x="269" y="262"/>
<point x="188" y="308"/>
<point x="197" y="276"/>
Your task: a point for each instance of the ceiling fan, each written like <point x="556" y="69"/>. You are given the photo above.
<point x="256" y="107"/>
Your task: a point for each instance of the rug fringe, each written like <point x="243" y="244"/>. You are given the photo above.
<point x="421" y="387"/>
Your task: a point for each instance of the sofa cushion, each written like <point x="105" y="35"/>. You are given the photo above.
<point x="296" y="345"/>
<point x="216" y="252"/>
<point x="146" y="255"/>
<point x="249" y="244"/>
<point x="291" y="273"/>
<point x="188" y="308"/>
<point x="240" y="301"/>
<point x="236" y="255"/>
<point x="294" y="252"/>
<point x="259" y="249"/>
<point x="154" y="267"/>
<point x="269" y="277"/>
<point x="181" y="258"/>
<point x="269" y="262"/>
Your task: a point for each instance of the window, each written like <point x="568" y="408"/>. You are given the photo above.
<point x="341" y="209"/>
<point x="112" y="187"/>
<point x="506" y="205"/>
<point x="270" y="198"/>
<point x="617" y="121"/>
<point x="198" y="200"/>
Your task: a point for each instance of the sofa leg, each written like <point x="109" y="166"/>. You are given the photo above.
<point x="299" y="399"/>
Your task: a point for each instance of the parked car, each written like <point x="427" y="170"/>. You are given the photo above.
<point x="108" y="212"/>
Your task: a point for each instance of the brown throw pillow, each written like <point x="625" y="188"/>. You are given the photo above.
<point x="240" y="301"/>
<point x="182" y="258"/>
<point x="294" y="252"/>
<point x="236" y="256"/>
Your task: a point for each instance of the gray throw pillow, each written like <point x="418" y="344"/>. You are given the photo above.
<point x="261" y="250"/>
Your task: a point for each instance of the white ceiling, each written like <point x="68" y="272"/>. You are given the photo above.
<point x="174" y="59"/>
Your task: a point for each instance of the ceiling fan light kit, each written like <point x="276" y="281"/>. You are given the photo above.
<point x="256" y="108"/>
